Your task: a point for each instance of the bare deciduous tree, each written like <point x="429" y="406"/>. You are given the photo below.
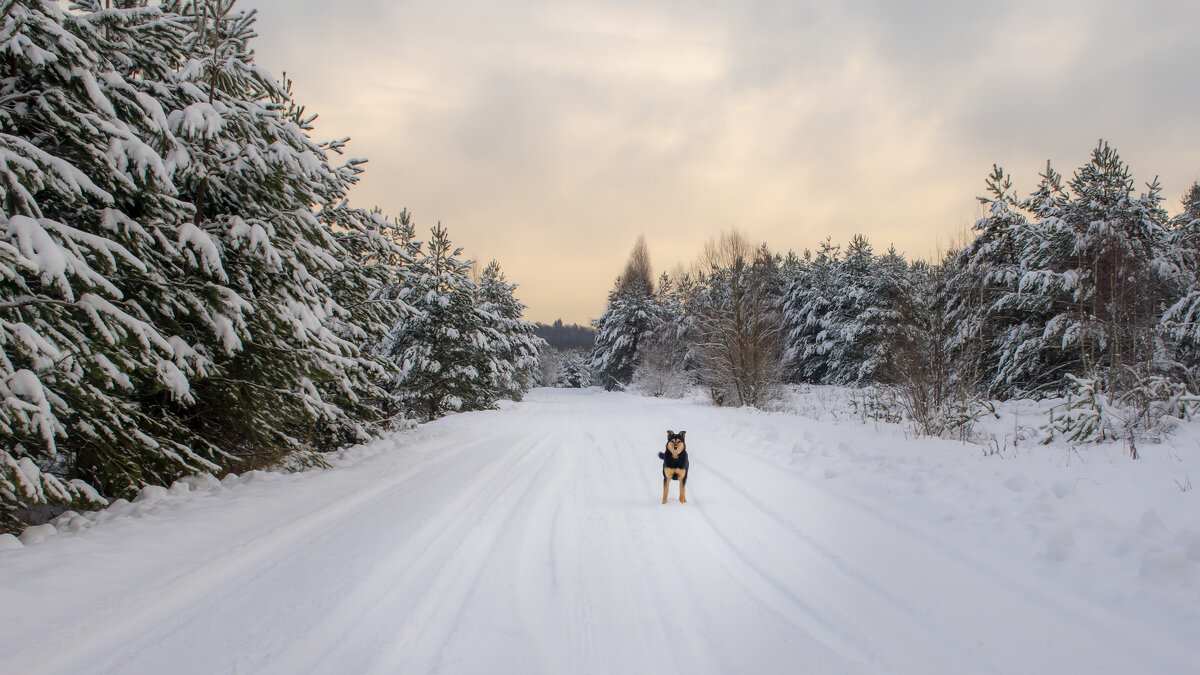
<point x="736" y="323"/>
<point x="637" y="269"/>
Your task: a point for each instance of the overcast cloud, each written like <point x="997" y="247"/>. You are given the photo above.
<point x="550" y="134"/>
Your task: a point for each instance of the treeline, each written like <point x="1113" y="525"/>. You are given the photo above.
<point x="183" y="286"/>
<point x="1084" y="288"/>
<point x="566" y="336"/>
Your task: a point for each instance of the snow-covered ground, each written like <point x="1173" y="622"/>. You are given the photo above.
<point x="531" y="539"/>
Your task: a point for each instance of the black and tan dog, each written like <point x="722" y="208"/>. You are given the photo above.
<point x="675" y="464"/>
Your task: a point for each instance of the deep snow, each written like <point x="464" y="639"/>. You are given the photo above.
<point x="532" y="539"/>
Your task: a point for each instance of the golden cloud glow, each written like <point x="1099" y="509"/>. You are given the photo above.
<point x="549" y="135"/>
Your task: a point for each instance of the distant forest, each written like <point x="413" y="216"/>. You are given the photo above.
<point x="566" y="337"/>
<point x="1084" y="289"/>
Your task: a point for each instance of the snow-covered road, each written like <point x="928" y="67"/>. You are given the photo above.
<point x="532" y="540"/>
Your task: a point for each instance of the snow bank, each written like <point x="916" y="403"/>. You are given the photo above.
<point x="155" y="499"/>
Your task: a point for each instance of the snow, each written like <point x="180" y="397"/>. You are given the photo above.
<point x="198" y="119"/>
<point x="531" y="539"/>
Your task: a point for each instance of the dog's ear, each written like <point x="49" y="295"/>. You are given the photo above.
<point x="682" y="434"/>
<point x="670" y="433"/>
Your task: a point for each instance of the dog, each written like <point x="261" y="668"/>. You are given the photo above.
<point x="675" y="464"/>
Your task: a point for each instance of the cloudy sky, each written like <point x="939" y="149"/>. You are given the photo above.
<point x="549" y="134"/>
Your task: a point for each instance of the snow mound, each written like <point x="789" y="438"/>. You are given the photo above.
<point x="1167" y="567"/>
<point x="37" y="534"/>
<point x="151" y="494"/>
<point x="202" y="482"/>
<point x="153" y="498"/>
<point x="1061" y="546"/>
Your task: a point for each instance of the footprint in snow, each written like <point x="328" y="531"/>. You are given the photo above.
<point x="1018" y="483"/>
<point x="1167" y="568"/>
<point x="1152" y="527"/>
<point x="1061" y="546"/>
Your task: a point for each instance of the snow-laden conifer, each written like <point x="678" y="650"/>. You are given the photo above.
<point x="1181" y="318"/>
<point x="88" y="207"/>
<point x="449" y="349"/>
<point x="510" y="349"/>
<point x="622" y="331"/>
<point x="663" y="369"/>
<point x="808" y="315"/>
<point x="1068" y="280"/>
<point x="628" y="323"/>
<point x="172" y="241"/>
<point x="839" y="314"/>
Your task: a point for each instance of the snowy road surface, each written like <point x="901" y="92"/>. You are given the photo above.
<point x="532" y="540"/>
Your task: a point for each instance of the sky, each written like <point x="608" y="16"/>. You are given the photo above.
<point x="550" y="134"/>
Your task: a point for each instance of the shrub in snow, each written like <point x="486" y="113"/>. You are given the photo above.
<point x="1092" y="415"/>
<point x="877" y="404"/>
<point x="575" y="371"/>
<point x="661" y="373"/>
<point x="1088" y="415"/>
<point x="1155" y="398"/>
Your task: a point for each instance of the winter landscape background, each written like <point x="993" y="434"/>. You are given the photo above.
<point x="246" y="425"/>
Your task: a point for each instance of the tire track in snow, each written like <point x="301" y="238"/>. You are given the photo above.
<point x="433" y="617"/>
<point x="646" y="613"/>
<point x="430" y="562"/>
<point x="598" y="527"/>
<point x="152" y="612"/>
<point x="814" y="609"/>
<point x="545" y="580"/>
<point x="1050" y="610"/>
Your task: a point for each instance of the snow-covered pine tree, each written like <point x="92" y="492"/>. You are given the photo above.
<point x="865" y="314"/>
<point x="575" y="371"/>
<point x="367" y="292"/>
<point x="1065" y="282"/>
<point x="888" y="290"/>
<point x="1000" y="308"/>
<point x="622" y="331"/>
<point x="511" y="348"/>
<point x="1181" y="318"/>
<point x="439" y="347"/>
<point x="170" y="234"/>
<point x="663" y="367"/>
<point x="628" y="324"/>
<point x="839" y="312"/>
<point x="808" y="315"/>
<point x="258" y="254"/>
<point x="1113" y="270"/>
<point x="86" y="227"/>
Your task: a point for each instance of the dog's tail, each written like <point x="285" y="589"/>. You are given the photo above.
<point x="662" y="455"/>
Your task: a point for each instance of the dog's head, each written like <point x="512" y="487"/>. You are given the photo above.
<point x="675" y="444"/>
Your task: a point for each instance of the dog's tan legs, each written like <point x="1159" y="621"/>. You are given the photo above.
<point x="683" y="487"/>
<point x="666" y="486"/>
